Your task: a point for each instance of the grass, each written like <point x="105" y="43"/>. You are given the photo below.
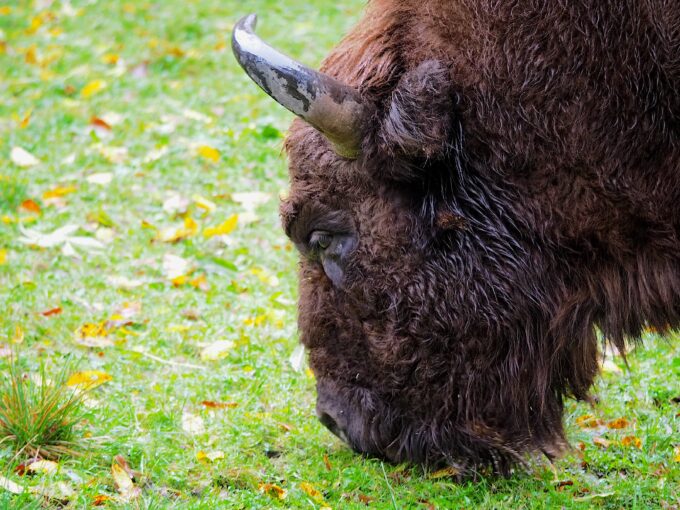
<point x="188" y="132"/>
<point x="38" y="415"/>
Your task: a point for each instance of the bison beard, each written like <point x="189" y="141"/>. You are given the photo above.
<point x="517" y="186"/>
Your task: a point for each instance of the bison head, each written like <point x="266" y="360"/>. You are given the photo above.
<point x="424" y="301"/>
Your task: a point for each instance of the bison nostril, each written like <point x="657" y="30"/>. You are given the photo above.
<point x="332" y="425"/>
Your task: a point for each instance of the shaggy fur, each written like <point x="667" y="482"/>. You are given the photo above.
<point x="519" y="187"/>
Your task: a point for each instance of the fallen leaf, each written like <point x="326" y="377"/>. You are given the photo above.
<point x="629" y="441"/>
<point x="273" y="490"/>
<point x="219" y="405"/>
<point x="175" y="234"/>
<point x="102" y="179"/>
<point x="619" y="423"/>
<point x="217" y="350"/>
<point x="588" y="421"/>
<point x="192" y="423"/>
<point x="175" y="266"/>
<point x="3" y="256"/>
<point x="123" y="282"/>
<point x="93" y="335"/>
<point x="23" y="124"/>
<point x="223" y="228"/>
<point x="327" y="462"/>
<point x="43" y="466"/>
<point x="601" y="442"/>
<point x="100" y="124"/>
<point x="204" y="203"/>
<point x="92" y="88"/>
<point x="58" y="192"/>
<point x="676" y="453"/>
<point x="444" y="473"/>
<point x="297" y="358"/>
<point x="126" y="487"/>
<point x="209" y="153"/>
<point x="101" y="499"/>
<point x="30" y="206"/>
<point x="563" y="483"/>
<point x="23" y="158"/>
<point x="176" y="204"/>
<point x="10" y="486"/>
<point x="88" y="379"/>
<point x="18" y="337"/>
<point x="210" y="456"/>
<point x="51" y="311"/>
<point x="312" y="492"/>
<point x="114" y="155"/>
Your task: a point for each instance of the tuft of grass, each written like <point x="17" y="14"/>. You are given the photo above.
<point x="38" y="415"/>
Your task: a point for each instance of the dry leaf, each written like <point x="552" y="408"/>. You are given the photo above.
<point x="174" y="266"/>
<point x="51" y="311"/>
<point x="222" y="229"/>
<point x="59" y="192"/>
<point x="102" y="179"/>
<point x="601" y="442"/>
<point x="30" y="206"/>
<point x="204" y="203"/>
<point x="588" y="421"/>
<point x="88" y="379"/>
<point x="3" y="256"/>
<point x="209" y="153"/>
<point x="312" y="492"/>
<point x="619" y="423"/>
<point x="444" y="473"/>
<point x="123" y="282"/>
<point x="23" y="158"/>
<point x="18" y="337"/>
<point x="10" y="486"/>
<point x="676" y="453"/>
<point x="273" y="490"/>
<point x="126" y="487"/>
<point x="92" y="88"/>
<point x="192" y="423"/>
<point x="327" y="462"/>
<point x="629" y="441"/>
<point x="43" y="466"/>
<point x="217" y="350"/>
<point x="219" y="405"/>
<point x="210" y="456"/>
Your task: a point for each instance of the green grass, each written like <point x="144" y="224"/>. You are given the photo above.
<point x="177" y="87"/>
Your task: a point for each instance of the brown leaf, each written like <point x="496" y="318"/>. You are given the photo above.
<point x="273" y="490"/>
<point x="30" y="206"/>
<point x="629" y="441"/>
<point x="219" y="405"/>
<point x="588" y="421"/>
<point x="601" y="442"/>
<point x="619" y="423"/>
<point x="52" y="311"/>
<point x="327" y="462"/>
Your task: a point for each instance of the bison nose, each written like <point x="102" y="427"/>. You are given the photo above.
<point x="331" y="424"/>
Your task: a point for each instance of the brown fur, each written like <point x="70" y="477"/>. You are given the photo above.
<point x="519" y="187"/>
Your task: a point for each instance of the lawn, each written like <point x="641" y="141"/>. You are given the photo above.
<point x="140" y="172"/>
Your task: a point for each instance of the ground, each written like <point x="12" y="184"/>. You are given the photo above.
<point x="174" y="282"/>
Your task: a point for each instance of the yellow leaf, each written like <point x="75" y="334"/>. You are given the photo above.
<point x="632" y="441"/>
<point x="312" y="492"/>
<point x="5" y="10"/>
<point x="676" y="452"/>
<point x="111" y="58"/>
<point x="58" y="192"/>
<point x="588" y="421"/>
<point x="601" y="442"/>
<point x="26" y="119"/>
<point x="88" y="379"/>
<point x="273" y="490"/>
<point x="210" y="456"/>
<point x="209" y="153"/>
<point x="92" y="88"/>
<point x="444" y="473"/>
<point x="222" y="229"/>
<point x="3" y="256"/>
<point x="204" y="203"/>
<point x="126" y="487"/>
<point x="18" y="335"/>
<point x="217" y="350"/>
<point x="43" y="466"/>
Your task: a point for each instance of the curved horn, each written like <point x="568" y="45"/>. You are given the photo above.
<point x="337" y="110"/>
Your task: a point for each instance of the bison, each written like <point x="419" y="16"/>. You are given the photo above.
<point x="479" y="190"/>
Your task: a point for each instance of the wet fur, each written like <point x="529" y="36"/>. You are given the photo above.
<point x="519" y="188"/>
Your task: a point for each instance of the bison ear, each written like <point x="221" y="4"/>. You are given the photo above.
<point x="418" y="122"/>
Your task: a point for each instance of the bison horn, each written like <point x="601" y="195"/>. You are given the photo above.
<point x="335" y="109"/>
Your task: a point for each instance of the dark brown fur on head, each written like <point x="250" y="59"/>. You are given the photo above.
<point x="519" y="187"/>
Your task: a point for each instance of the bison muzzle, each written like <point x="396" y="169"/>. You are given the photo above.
<point x="479" y="190"/>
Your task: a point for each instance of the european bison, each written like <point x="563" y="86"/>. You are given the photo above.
<point x="477" y="188"/>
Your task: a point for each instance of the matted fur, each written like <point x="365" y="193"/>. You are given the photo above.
<point x="519" y="187"/>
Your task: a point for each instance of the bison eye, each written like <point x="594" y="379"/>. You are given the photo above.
<point x="333" y="251"/>
<point x="320" y="240"/>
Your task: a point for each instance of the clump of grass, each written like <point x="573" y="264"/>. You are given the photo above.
<point x="38" y="415"/>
